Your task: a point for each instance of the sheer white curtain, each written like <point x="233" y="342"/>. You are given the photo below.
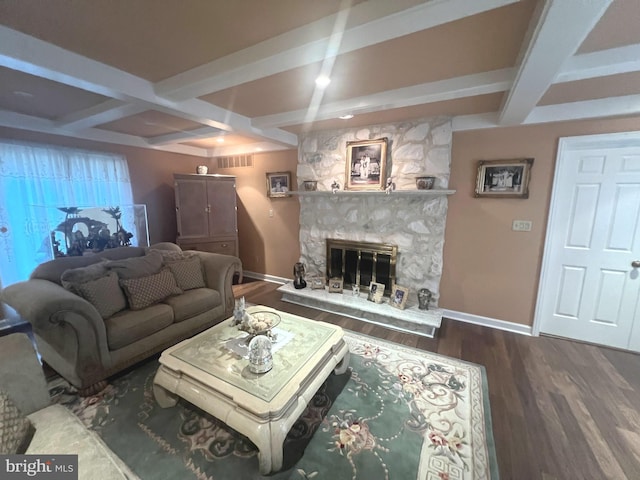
<point x="36" y="179"/>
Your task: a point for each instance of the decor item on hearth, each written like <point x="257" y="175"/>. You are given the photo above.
<point x="310" y="185"/>
<point x="355" y="289"/>
<point x="399" y="297"/>
<point x="260" y="357"/>
<point x="425" y="183"/>
<point x="504" y="178"/>
<point x="424" y="298"/>
<point x="317" y="283"/>
<point x="202" y="169"/>
<point x="298" y="276"/>
<point x="365" y="167"/>
<point x="335" y="285"/>
<point x="260" y="323"/>
<point x="335" y="186"/>
<point x="278" y="184"/>
<point x="376" y="292"/>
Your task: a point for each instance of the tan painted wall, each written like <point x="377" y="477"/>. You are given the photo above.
<point x="268" y="245"/>
<point x="488" y="269"/>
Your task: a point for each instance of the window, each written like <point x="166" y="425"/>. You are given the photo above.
<point x="36" y="179"/>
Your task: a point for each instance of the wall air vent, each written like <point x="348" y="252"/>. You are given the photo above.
<point x="236" y="161"/>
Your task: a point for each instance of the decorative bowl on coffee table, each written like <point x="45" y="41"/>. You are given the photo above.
<point x="260" y="323"/>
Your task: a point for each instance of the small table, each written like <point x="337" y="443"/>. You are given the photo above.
<point x="207" y="371"/>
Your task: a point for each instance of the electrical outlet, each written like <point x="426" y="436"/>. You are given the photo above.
<point x="271" y="212"/>
<point x="521" y="225"/>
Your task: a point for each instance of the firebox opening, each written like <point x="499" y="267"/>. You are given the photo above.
<point x="360" y="263"/>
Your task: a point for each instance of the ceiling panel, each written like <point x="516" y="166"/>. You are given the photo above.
<point x="150" y="124"/>
<point x="619" y="26"/>
<point x="592" y="88"/>
<point x="35" y="96"/>
<point x="484" y="42"/>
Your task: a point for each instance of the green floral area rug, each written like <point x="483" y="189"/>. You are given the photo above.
<point x="398" y="413"/>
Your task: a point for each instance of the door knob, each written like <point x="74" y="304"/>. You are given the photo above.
<point x="635" y="264"/>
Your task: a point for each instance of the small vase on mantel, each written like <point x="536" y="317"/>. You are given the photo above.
<point x="298" y="276"/>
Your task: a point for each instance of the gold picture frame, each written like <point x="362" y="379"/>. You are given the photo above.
<point x="278" y="184"/>
<point x="335" y="285"/>
<point x="399" y="297"/>
<point x="504" y="178"/>
<point x="316" y="283"/>
<point x="366" y="165"/>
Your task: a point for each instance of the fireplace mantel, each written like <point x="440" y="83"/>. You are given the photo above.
<point x="395" y="193"/>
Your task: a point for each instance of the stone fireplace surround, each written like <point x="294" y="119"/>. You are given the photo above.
<point x="413" y="221"/>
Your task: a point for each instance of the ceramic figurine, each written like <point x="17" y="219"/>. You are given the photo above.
<point x="240" y="315"/>
<point x="335" y="186"/>
<point x="424" y="298"/>
<point x="298" y="276"/>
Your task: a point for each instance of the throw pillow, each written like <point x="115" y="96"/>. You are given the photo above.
<point x="169" y="256"/>
<point x="137" y="267"/>
<point x="16" y="431"/>
<point x="145" y="291"/>
<point x="188" y="273"/>
<point x="72" y="277"/>
<point x="104" y="293"/>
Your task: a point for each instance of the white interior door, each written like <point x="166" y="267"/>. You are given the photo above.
<point x="589" y="289"/>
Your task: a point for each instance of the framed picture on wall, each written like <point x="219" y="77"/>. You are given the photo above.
<point x="504" y="178"/>
<point x="278" y="184"/>
<point x="366" y="165"/>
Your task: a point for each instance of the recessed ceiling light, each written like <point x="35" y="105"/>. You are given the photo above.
<point x="322" y="81"/>
<point x="220" y="139"/>
<point x="348" y="116"/>
<point x="258" y="149"/>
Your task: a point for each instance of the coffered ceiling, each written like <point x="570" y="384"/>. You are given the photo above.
<point x="220" y="77"/>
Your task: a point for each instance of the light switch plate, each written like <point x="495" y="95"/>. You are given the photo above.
<point x="521" y="225"/>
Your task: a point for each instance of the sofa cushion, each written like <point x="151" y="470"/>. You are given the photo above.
<point x="172" y="255"/>
<point x="73" y="276"/>
<point x="130" y="326"/>
<point x="104" y="294"/>
<point x="53" y="269"/>
<point x="137" y="267"/>
<point x="193" y="302"/>
<point x="16" y="430"/>
<point x="188" y="273"/>
<point x="144" y="291"/>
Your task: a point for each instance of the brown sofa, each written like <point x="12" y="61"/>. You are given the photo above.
<point x="84" y="333"/>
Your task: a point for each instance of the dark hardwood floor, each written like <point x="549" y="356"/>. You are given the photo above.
<point x="561" y="410"/>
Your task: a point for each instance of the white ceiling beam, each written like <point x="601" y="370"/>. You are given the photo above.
<point x="587" y="109"/>
<point x="42" y="125"/>
<point x="31" y="55"/>
<point x="560" y="28"/>
<point x="450" y="89"/>
<point x="184" y="135"/>
<point x="279" y="54"/>
<point x="97" y="115"/>
<point x="613" y="61"/>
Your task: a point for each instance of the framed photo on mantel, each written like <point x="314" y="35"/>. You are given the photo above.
<point x="366" y="165"/>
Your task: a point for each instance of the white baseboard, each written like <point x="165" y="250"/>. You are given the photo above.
<point x="452" y="314"/>
<point x="488" y="322"/>
<point x="265" y="277"/>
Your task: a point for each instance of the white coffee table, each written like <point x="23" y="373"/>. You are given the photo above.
<point x="207" y="372"/>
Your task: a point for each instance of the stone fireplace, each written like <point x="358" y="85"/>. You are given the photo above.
<point x="410" y="221"/>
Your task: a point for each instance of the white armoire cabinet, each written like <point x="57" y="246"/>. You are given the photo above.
<point x="207" y="212"/>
